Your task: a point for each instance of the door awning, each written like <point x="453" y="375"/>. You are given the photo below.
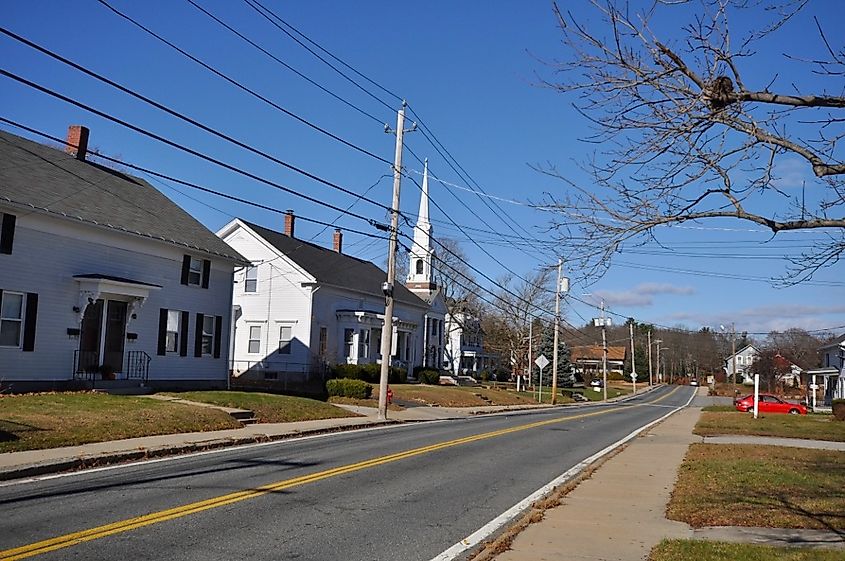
<point x="92" y="286"/>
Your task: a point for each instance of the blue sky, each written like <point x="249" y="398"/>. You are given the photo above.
<point x="468" y="69"/>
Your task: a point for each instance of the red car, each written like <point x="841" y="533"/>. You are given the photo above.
<point x="769" y="404"/>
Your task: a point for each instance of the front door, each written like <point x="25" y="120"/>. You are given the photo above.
<point x="115" y="336"/>
<point x="89" y="339"/>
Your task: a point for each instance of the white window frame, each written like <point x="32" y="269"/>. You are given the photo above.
<point x="10" y="319"/>
<point x="173" y="331"/>
<point x="285" y="345"/>
<point x="375" y="349"/>
<point x="195" y="271"/>
<point x="208" y="335"/>
<point x="252" y="339"/>
<point x="363" y="343"/>
<point x="251" y="279"/>
<point x="348" y="342"/>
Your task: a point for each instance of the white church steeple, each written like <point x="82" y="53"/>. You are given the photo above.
<point x="420" y="274"/>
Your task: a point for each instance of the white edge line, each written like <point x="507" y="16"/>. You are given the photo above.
<point x="223" y="450"/>
<point x="485" y="531"/>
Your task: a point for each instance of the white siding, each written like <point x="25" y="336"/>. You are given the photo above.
<point x="282" y="298"/>
<point x="49" y="251"/>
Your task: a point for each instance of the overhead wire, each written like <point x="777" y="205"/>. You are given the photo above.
<point x="169" y="111"/>
<point x="286" y="65"/>
<point x="241" y="86"/>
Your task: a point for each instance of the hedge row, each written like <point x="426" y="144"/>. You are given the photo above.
<point x="369" y="373"/>
<point x="428" y="376"/>
<point x="347" y="387"/>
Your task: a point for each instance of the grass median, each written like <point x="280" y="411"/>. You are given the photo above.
<point x="684" y="550"/>
<point x="766" y="486"/>
<point x="269" y="408"/>
<point x="37" y="421"/>
<point x="722" y="420"/>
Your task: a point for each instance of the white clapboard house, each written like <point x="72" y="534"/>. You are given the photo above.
<point x="103" y="277"/>
<point x="301" y="306"/>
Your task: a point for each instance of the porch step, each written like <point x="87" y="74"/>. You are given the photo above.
<point x="119" y="387"/>
<point x="243" y="416"/>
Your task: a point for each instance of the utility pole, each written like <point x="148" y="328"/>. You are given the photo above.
<point x="604" y="351"/>
<point x="387" y="287"/>
<point x="633" y="358"/>
<point x="530" y="350"/>
<point x="657" y="372"/>
<point x="733" y="350"/>
<point x="650" y="371"/>
<point x="557" y="331"/>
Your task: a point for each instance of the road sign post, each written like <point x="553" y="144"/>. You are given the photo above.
<point x="541" y="363"/>
<point x="634" y="380"/>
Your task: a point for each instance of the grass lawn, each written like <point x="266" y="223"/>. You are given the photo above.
<point x="452" y="396"/>
<point x="817" y="427"/>
<point x="768" y="486"/>
<point x="684" y="550"/>
<point x="269" y="408"/>
<point x="34" y="421"/>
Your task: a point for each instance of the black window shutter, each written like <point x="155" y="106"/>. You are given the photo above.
<point x="183" y="334"/>
<point x="29" y="322"/>
<point x="7" y="233"/>
<point x="186" y="268"/>
<point x="206" y="272"/>
<point x="162" y="331"/>
<point x="198" y="336"/>
<point x="218" y="335"/>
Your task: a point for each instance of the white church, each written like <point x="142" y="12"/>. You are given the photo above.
<point x="300" y="307"/>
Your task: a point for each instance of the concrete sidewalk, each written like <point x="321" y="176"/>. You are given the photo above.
<point x="619" y="513"/>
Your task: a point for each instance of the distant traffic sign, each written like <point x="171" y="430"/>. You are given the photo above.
<point x="541" y="362"/>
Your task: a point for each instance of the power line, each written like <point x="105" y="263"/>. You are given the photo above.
<point x="169" y="111"/>
<point x="326" y="51"/>
<point x="286" y="65"/>
<point x="259" y="8"/>
<point x="178" y="146"/>
<point x="242" y="87"/>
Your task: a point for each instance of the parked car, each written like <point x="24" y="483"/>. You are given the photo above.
<point x="693" y="382"/>
<point x="596" y="383"/>
<point x="769" y="404"/>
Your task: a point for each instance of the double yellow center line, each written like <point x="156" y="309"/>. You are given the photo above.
<point x="129" y="524"/>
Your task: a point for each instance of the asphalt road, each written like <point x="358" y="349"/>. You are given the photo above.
<point x="403" y="492"/>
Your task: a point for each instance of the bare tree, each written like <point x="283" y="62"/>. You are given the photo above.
<point x="519" y="300"/>
<point x="682" y="136"/>
<point x="453" y="276"/>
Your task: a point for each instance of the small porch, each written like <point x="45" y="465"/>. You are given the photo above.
<point x="826" y="384"/>
<point x="106" y="307"/>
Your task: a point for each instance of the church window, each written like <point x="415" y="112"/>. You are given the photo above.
<point x="419" y="266"/>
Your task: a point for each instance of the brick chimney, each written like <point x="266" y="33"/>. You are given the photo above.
<point x="289" y="220"/>
<point x="77" y="141"/>
<point x="338" y="240"/>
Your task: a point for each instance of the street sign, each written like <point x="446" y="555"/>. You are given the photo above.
<point x="541" y="362"/>
<point x="633" y="377"/>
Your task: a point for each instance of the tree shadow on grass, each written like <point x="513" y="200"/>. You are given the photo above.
<point x="10" y="431"/>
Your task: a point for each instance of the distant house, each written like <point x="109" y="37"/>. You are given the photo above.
<point x="828" y="382"/>
<point x="745" y="357"/>
<point x="791" y="372"/>
<point x="300" y="306"/>
<point x="465" y="353"/>
<point x="102" y="276"/>
<point x="587" y="360"/>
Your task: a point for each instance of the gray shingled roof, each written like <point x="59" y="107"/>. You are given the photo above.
<point x="337" y="269"/>
<point x="36" y="176"/>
